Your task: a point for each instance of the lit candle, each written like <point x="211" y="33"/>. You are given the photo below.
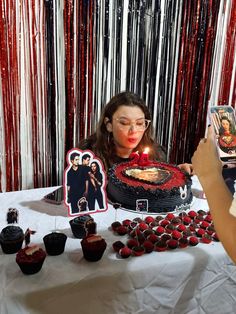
<point x="143" y="160"/>
<point x="134" y="156"/>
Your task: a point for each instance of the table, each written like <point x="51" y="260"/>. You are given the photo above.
<point x="193" y="280"/>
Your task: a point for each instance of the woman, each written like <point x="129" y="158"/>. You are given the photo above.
<point x="227" y="138"/>
<point x="208" y="168"/>
<point x="125" y="127"/>
<point x="94" y="187"/>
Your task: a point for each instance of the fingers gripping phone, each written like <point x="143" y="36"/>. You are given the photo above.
<point x="224" y="122"/>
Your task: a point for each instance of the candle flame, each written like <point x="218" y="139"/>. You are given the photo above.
<point x="146" y="150"/>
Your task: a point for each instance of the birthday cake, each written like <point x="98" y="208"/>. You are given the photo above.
<point x="149" y="186"/>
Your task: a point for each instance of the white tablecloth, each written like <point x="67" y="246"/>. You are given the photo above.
<point x="193" y="280"/>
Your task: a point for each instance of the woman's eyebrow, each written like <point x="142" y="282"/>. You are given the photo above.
<point x="124" y="117"/>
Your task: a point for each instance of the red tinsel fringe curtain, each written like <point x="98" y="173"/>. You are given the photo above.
<point x="199" y="24"/>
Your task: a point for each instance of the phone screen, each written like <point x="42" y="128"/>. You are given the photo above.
<point x="224" y="122"/>
<point x="55" y="197"/>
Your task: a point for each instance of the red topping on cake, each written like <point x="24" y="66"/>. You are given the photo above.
<point x="178" y="178"/>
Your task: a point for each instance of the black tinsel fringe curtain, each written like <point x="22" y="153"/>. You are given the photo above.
<point x="62" y="60"/>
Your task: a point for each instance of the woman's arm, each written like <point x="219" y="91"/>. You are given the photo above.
<point x="208" y="168"/>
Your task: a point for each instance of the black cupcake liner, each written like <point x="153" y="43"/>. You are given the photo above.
<point x="55" y="243"/>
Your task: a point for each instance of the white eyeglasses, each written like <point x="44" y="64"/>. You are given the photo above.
<point x="139" y="124"/>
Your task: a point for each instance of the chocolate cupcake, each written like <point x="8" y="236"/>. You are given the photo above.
<point x="79" y="225"/>
<point x="55" y="243"/>
<point x="11" y="239"/>
<point x="30" y="259"/>
<point x="93" y="247"/>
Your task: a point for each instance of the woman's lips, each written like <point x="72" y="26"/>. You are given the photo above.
<point x="132" y="140"/>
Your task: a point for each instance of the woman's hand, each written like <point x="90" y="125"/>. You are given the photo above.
<point x="187" y="168"/>
<point x="206" y="162"/>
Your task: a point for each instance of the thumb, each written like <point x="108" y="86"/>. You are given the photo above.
<point x="210" y="133"/>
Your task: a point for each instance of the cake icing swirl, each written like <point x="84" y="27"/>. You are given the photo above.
<point x="11" y="233"/>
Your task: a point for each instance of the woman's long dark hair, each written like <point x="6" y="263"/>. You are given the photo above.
<point x="97" y="166"/>
<point x="101" y="142"/>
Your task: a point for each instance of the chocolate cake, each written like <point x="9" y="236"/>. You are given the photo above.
<point x="155" y="187"/>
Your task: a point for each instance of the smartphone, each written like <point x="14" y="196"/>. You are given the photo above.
<point x="224" y="122"/>
<point x="55" y="197"/>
